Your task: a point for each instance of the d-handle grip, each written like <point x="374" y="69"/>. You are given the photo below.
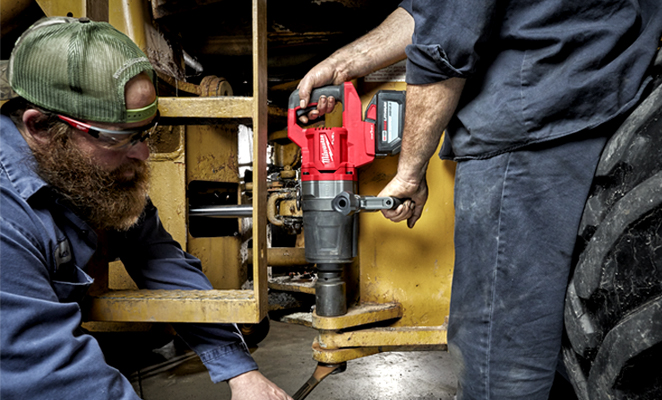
<point x="329" y="91"/>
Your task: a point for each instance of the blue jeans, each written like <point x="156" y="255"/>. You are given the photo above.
<point x="516" y="220"/>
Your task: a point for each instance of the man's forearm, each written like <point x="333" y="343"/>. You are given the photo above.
<point x="429" y="108"/>
<point x="379" y="48"/>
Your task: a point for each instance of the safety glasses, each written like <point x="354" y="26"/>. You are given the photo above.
<point x="112" y="139"/>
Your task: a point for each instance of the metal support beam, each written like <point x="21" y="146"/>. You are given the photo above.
<point x="260" y="135"/>
<point x="406" y="336"/>
<point x="382" y="340"/>
<point x="207" y="107"/>
<point x="362" y="314"/>
<point x="173" y="306"/>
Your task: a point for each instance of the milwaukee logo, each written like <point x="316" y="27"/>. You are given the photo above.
<point x="326" y="150"/>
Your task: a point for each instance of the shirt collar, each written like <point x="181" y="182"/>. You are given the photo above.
<point x="17" y="160"/>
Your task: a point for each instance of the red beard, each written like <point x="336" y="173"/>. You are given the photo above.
<point x="104" y="199"/>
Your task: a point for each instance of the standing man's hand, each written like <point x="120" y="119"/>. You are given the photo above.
<point x="429" y="108"/>
<point x="379" y="48"/>
<point x="253" y="385"/>
<point x="416" y="193"/>
<point x="323" y="74"/>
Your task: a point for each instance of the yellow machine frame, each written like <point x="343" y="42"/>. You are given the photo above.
<point x="169" y="183"/>
<point x="403" y="275"/>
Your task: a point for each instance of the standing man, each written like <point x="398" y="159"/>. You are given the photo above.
<point x="73" y="184"/>
<point x="528" y="93"/>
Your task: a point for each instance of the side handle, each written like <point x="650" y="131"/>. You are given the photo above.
<point x="348" y="203"/>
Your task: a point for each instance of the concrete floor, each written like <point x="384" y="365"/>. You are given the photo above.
<point x="285" y="357"/>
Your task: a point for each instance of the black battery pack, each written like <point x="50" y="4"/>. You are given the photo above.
<point x="387" y="111"/>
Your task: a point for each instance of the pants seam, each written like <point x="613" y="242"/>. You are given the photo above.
<point x="494" y="279"/>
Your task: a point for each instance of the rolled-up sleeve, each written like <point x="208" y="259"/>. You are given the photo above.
<point x="449" y="38"/>
<point x="156" y="261"/>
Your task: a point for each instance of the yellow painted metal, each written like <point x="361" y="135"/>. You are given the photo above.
<point x="96" y="10"/>
<point x="362" y="314"/>
<point x="173" y="306"/>
<point x="286" y="154"/>
<point x="281" y="204"/>
<point x="211" y="153"/>
<point x="283" y="256"/>
<point x="54" y="8"/>
<point x="288" y="208"/>
<point x="207" y="107"/>
<point x="259" y="41"/>
<point x="289" y="285"/>
<point x="211" y="156"/>
<point x="118" y="278"/>
<point x="336" y="356"/>
<point x="168" y="174"/>
<point x="221" y="260"/>
<point x="410" y="266"/>
<point x="167" y="144"/>
<point x="280" y="256"/>
<point x="168" y="193"/>
<point x="280" y="136"/>
<point x="106" y="326"/>
<point x="405" y="336"/>
<point x="129" y="16"/>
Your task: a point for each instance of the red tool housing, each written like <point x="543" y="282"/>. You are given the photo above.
<point x="329" y="154"/>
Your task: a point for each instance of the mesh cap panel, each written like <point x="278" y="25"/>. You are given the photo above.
<point x="79" y="68"/>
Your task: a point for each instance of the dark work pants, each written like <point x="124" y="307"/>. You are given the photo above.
<point x="516" y="220"/>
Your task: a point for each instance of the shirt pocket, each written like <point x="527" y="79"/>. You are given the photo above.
<point x="71" y="283"/>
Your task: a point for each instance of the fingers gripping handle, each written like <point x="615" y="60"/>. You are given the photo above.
<point x="369" y="203"/>
<point x="329" y="91"/>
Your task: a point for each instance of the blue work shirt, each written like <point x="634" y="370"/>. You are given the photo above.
<point x="44" y="250"/>
<point x="534" y="70"/>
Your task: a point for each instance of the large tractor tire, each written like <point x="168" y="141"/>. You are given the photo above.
<point x="613" y="311"/>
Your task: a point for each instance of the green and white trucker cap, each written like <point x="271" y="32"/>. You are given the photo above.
<point x="79" y="68"/>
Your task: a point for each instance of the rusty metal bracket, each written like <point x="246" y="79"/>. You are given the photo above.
<point x="272" y="209"/>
